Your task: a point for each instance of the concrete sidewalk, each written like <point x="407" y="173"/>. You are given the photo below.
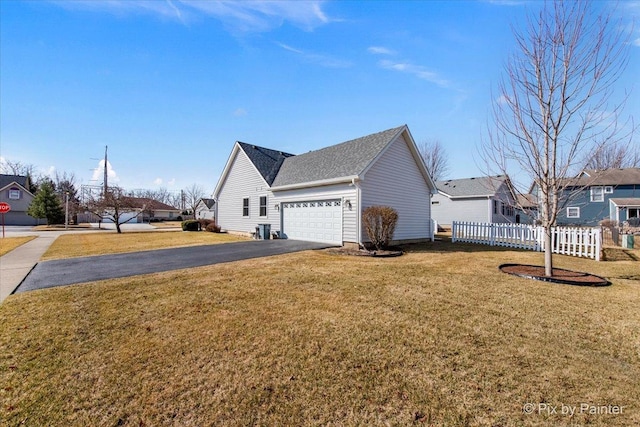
<point x="17" y="264"/>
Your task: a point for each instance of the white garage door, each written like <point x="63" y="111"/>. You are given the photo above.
<point x="315" y="221"/>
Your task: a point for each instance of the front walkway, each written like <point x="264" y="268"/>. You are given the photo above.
<point x="16" y="265"/>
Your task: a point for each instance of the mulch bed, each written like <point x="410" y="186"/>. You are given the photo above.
<point x="566" y="277"/>
<point x="361" y="252"/>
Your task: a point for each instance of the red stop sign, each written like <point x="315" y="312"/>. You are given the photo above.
<point x="5" y="207"/>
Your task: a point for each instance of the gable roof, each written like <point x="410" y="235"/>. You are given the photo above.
<point x="337" y="163"/>
<point x="484" y="186"/>
<point x="624" y="176"/>
<point x="22" y="181"/>
<point x="207" y="202"/>
<point x="266" y="161"/>
<point x="345" y="160"/>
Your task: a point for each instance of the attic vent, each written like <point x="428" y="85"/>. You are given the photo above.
<point x="254" y="147"/>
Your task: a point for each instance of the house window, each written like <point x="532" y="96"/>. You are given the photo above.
<point x="245" y="207"/>
<point x="608" y="189"/>
<point x="496" y="207"/>
<point x="508" y="210"/>
<point x="597" y="194"/>
<point x="573" y="212"/>
<point x="633" y="213"/>
<point x="263" y="205"/>
<point x="14" y="194"/>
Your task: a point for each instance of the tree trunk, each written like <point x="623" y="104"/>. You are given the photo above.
<point x="548" y="259"/>
<point x="118" y="226"/>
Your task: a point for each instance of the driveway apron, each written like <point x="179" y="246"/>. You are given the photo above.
<point x="62" y="272"/>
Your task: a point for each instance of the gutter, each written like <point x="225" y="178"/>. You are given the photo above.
<point x="320" y="183"/>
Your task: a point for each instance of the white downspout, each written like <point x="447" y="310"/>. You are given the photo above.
<point x="358" y="212"/>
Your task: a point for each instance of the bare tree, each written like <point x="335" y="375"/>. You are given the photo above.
<point x="435" y="158"/>
<point x="22" y="169"/>
<point x="192" y="196"/>
<point x="113" y="205"/>
<point x="614" y="156"/>
<point x="65" y="186"/>
<point x="161" y="195"/>
<point x="553" y="104"/>
<point x="17" y="168"/>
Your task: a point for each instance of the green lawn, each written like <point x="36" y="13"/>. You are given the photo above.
<point x="438" y="336"/>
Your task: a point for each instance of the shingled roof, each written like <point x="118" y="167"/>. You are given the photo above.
<point x="266" y="161"/>
<point x="149" y="204"/>
<point x="347" y="159"/>
<point x="23" y="181"/>
<point x="471" y="187"/>
<point x="626" y="176"/>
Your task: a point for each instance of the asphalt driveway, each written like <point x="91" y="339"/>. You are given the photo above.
<point x="48" y="274"/>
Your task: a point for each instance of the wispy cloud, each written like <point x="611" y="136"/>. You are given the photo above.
<point x="318" y="58"/>
<point x="238" y="16"/>
<point x="416" y="70"/>
<point x="240" y="112"/>
<point x="380" y="50"/>
<point x="631" y="15"/>
<point x="157" y="181"/>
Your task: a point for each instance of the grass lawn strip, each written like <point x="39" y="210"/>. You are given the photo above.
<point x="77" y="245"/>
<point x="7" y="244"/>
<point x="439" y="336"/>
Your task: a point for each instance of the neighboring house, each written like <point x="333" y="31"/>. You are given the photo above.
<point x="527" y="208"/>
<point x="205" y="209"/>
<point x="320" y="195"/>
<point x="144" y="209"/>
<point x="488" y="199"/>
<point x="597" y="195"/>
<point x="14" y="190"/>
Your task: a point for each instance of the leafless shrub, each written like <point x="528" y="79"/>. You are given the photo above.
<point x="380" y="223"/>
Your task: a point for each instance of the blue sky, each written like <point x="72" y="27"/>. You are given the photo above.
<point x="169" y="86"/>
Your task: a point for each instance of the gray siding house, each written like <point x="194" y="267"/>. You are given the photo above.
<point x="320" y="195"/>
<point x="14" y="190"/>
<point x="488" y="199"/>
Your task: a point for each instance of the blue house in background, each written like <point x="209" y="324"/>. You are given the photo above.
<point x="596" y="195"/>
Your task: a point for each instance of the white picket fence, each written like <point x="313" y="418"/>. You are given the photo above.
<point x="580" y="242"/>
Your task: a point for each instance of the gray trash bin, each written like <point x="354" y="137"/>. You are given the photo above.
<point x="265" y="231"/>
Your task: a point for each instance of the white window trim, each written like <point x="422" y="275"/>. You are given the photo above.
<point x="575" y="209"/>
<point x="16" y="192"/>
<point x="601" y="194"/>
<point x="608" y="189"/>
<point x="266" y="206"/>
<point x="248" y="215"/>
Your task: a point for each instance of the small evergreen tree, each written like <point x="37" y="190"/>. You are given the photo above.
<point x="46" y="204"/>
